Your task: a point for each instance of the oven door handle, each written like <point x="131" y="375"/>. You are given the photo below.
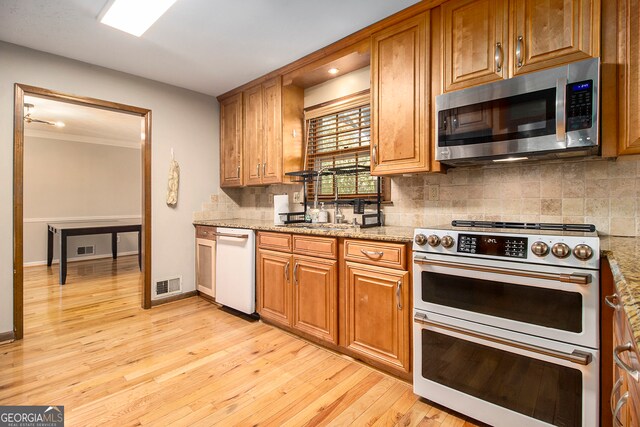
<point x="576" y="278"/>
<point x="579" y="357"/>
<point x="561" y="93"/>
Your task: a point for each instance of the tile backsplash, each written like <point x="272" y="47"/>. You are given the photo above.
<point x="604" y="192"/>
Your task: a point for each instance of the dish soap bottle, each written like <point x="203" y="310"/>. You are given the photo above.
<point x="323" y="215"/>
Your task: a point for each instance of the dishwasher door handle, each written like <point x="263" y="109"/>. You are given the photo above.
<point x="235" y="236"/>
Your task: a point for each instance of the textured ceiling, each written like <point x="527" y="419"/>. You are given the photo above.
<point x="209" y="46"/>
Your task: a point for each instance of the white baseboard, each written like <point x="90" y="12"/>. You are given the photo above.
<point x="78" y="258"/>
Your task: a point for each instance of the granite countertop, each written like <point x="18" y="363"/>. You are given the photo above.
<point x="384" y="233"/>
<point x="623" y="254"/>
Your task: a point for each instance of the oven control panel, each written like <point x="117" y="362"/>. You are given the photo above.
<point x="504" y="246"/>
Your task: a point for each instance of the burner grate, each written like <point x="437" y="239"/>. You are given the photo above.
<point x="524" y="225"/>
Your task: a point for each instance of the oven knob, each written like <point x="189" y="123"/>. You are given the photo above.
<point x="561" y="250"/>
<point x="420" y="239"/>
<point x="433" y="240"/>
<point x="583" y="252"/>
<point x="447" y="241"/>
<point x="540" y="248"/>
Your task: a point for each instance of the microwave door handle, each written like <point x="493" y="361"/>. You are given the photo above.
<point x="561" y="93"/>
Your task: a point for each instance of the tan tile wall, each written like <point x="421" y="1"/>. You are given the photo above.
<point x="602" y="192"/>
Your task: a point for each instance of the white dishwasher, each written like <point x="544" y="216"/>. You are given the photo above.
<point x="236" y="269"/>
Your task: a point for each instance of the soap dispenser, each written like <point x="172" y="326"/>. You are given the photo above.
<point x="323" y="215"/>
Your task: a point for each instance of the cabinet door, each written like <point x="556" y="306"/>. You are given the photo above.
<point x="474" y="42"/>
<point x="399" y="97"/>
<point x="315" y="296"/>
<point x="272" y="128"/>
<point x="205" y="266"/>
<point x="378" y="311"/>
<point x="253" y="134"/>
<point x="548" y="33"/>
<point x="231" y="141"/>
<point x="629" y="85"/>
<point x="274" y="286"/>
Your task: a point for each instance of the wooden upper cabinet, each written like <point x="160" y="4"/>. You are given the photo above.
<point x="629" y="77"/>
<point x="231" y="141"/>
<point x="474" y="35"/>
<point x="549" y="33"/>
<point x="400" y="97"/>
<point x="272" y="131"/>
<point x="253" y="131"/>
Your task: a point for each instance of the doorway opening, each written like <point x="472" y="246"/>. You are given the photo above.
<point x="144" y="243"/>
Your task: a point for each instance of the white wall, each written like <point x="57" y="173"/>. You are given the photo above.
<point x="185" y="120"/>
<point x="338" y="87"/>
<point x="66" y="180"/>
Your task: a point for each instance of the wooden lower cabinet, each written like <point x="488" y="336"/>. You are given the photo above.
<point x="377" y="324"/>
<point x="315" y="297"/>
<point x="274" y="286"/>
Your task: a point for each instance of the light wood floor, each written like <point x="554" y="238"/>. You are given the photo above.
<point x="90" y="347"/>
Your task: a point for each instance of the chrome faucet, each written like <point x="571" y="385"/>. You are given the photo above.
<point x="336" y="212"/>
<point x="320" y="172"/>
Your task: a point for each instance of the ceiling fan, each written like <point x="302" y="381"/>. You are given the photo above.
<point x="29" y="119"/>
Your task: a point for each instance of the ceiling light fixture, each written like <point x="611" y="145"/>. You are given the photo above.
<point x="133" y="16"/>
<point x="29" y="119"/>
<point x="333" y="71"/>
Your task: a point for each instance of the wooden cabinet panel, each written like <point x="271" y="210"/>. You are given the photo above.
<point x="206" y="266"/>
<point x="231" y="141"/>
<point x="205" y="232"/>
<point x="629" y="81"/>
<point x="377" y="320"/>
<point x="399" y="97"/>
<point x="253" y="133"/>
<point x="475" y="32"/>
<point x="549" y="33"/>
<point x="272" y="131"/>
<point x="275" y="241"/>
<point x="391" y="255"/>
<point x="274" y="286"/>
<point x="326" y="247"/>
<point x="315" y="297"/>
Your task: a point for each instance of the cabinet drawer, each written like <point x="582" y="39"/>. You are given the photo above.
<point x="205" y="232"/>
<point x="384" y="254"/>
<point x="274" y="241"/>
<point x="315" y="246"/>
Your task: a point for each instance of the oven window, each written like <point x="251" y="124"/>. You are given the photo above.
<point x="538" y="389"/>
<point x="551" y="308"/>
<point x="516" y="117"/>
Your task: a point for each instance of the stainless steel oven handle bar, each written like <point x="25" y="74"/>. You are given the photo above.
<point x="579" y="357"/>
<point x="577" y="278"/>
<point x="237" y="236"/>
<point x="561" y="93"/>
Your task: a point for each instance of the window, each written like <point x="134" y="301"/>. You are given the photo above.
<point x="338" y="136"/>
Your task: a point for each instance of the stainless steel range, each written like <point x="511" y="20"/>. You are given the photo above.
<point x="506" y="323"/>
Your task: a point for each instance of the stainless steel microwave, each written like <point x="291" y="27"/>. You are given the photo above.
<point x="551" y="113"/>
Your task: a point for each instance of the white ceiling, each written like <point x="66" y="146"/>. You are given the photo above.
<point x="83" y="124"/>
<point x="210" y="46"/>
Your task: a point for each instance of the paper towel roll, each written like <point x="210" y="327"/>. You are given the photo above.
<point x="280" y="205"/>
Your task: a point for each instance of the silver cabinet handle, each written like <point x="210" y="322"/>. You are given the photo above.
<point x="519" y="51"/>
<point x="264" y="169"/>
<point x="498" y="57"/>
<point x="616" y="358"/>
<point x="579" y="357"/>
<point x="375" y="154"/>
<point x="398" y="294"/>
<point x="576" y="278"/>
<point x="561" y="93"/>
<point x="295" y="274"/>
<point x="621" y="403"/>
<point x="369" y="254"/>
<point x="609" y="300"/>
<point x="614" y="390"/>
<point x="286" y="272"/>
<point x="258" y="169"/>
<point x="238" y="172"/>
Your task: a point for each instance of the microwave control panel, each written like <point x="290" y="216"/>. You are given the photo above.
<point x="504" y="246"/>
<point x="579" y="105"/>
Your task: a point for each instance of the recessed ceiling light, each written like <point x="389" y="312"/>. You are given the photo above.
<point x="511" y="159"/>
<point x="333" y="71"/>
<point x="59" y="124"/>
<point x="133" y="16"/>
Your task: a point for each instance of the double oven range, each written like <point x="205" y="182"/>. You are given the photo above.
<point x="506" y="324"/>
